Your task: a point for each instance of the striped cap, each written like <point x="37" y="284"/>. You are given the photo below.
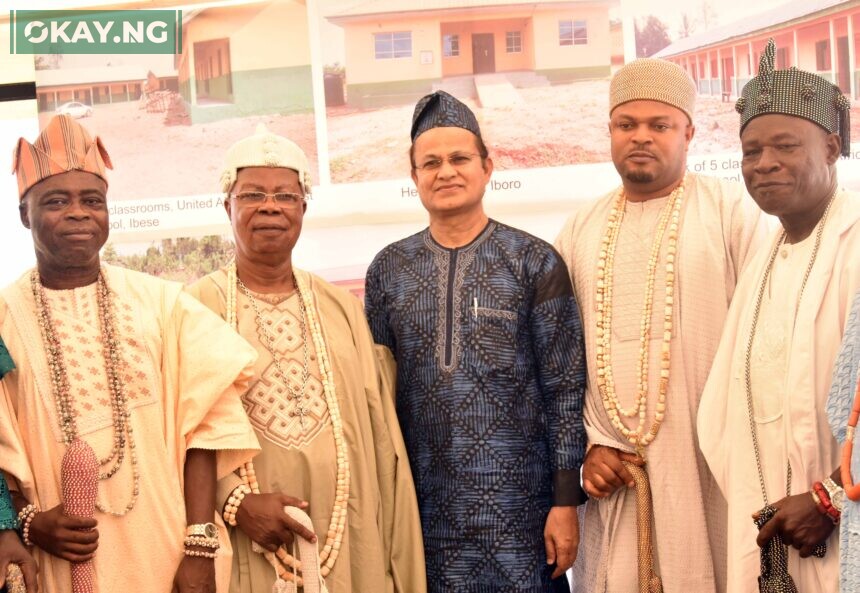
<point x="653" y="79"/>
<point x="64" y="145"/>
<point x="797" y="93"/>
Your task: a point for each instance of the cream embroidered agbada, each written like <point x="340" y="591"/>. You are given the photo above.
<point x="382" y="548"/>
<point x="184" y="370"/>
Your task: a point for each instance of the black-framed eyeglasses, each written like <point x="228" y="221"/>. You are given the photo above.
<point x="281" y="199"/>
<point x="456" y="160"/>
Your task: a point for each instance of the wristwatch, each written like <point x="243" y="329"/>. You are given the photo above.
<point x="201" y="530"/>
<point x="835" y="492"/>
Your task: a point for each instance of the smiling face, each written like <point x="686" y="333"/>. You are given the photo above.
<point x="649" y="142"/>
<point x="788" y="163"/>
<point x="68" y="217"/>
<point x="450" y="189"/>
<point x="265" y="231"/>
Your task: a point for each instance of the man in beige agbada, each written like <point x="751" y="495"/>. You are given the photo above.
<point x="762" y="423"/>
<point x="128" y="364"/>
<point x="321" y="403"/>
<point x="654" y="265"/>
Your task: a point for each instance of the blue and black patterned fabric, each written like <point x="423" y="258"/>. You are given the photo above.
<point x="490" y="385"/>
<point x="440" y="110"/>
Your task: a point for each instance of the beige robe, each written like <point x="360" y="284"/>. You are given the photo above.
<point x="720" y="226"/>
<point x="185" y="370"/>
<point x="382" y="548"/>
<point x="723" y="421"/>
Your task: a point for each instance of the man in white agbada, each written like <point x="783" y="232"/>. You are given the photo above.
<point x="762" y="423"/>
<point x="654" y="265"/>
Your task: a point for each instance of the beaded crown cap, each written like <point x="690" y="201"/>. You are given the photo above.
<point x="265" y="149"/>
<point x="797" y="93"/>
<point x="64" y="145"/>
<point x="441" y="110"/>
<point x="653" y="79"/>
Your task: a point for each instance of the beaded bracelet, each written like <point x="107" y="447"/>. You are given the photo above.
<point x="825" y="507"/>
<point x="25" y="517"/>
<point x="233" y="502"/>
<point x="202" y="542"/>
<point x="200" y="553"/>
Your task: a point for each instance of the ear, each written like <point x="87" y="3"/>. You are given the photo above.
<point x="833" y="146"/>
<point x="414" y="177"/>
<point x="689" y="133"/>
<point x="488" y="167"/>
<point x="24" y="213"/>
<point x="228" y="206"/>
<point x="304" y="207"/>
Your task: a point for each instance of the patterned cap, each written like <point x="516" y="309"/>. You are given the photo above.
<point x="797" y="93"/>
<point x="653" y="79"/>
<point x="265" y="149"/>
<point x="441" y="110"/>
<point x="64" y="145"/>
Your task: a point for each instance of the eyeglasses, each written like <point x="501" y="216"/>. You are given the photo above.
<point x="456" y="160"/>
<point x="281" y="199"/>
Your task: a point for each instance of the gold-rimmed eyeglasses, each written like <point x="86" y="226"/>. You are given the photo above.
<point x="281" y="199"/>
<point x="456" y="160"/>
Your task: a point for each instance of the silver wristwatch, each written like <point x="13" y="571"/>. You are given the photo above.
<point x="835" y="492"/>
<point x="202" y="530"/>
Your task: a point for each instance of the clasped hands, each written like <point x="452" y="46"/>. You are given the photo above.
<point x="262" y="518"/>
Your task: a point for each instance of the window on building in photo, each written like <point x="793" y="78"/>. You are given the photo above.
<point x="572" y="33"/>
<point x="513" y="42"/>
<point x="822" y="55"/>
<point x="397" y="44"/>
<point x="450" y="46"/>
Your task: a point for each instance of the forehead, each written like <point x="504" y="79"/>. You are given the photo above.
<point x="772" y="125"/>
<point x="71" y="182"/>
<point x="646" y="109"/>
<point x="267" y="176"/>
<point x="445" y="140"/>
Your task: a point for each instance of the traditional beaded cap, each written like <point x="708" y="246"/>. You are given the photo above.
<point x="653" y="79"/>
<point x="797" y="93"/>
<point x="265" y="149"/>
<point x="441" y="110"/>
<point x="64" y="145"/>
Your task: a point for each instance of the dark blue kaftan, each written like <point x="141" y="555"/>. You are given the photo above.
<point x="490" y="383"/>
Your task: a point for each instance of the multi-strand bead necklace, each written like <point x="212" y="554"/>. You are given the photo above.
<point x="669" y="220"/>
<point x="123" y="434"/>
<point x="283" y="561"/>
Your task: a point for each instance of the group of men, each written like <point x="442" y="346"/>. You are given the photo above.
<point x="645" y="402"/>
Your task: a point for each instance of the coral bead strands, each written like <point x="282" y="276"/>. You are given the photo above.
<point x="852" y="490"/>
<point x="334" y="537"/>
<point x="113" y="366"/>
<point x="669" y="220"/>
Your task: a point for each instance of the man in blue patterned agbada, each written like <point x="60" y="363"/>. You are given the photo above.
<point x="486" y="333"/>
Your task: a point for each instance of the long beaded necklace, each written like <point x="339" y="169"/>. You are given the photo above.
<point x="748" y="358"/>
<point x="123" y="433"/>
<point x="283" y="561"/>
<point x="292" y="394"/>
<point x="852" y="490"/>
<point x="669" y="220"/>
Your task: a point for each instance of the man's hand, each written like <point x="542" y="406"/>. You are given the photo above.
<point x="262" y="518"/>
<point x="71" y="538"/>
<point x="799" y="523"/>
<point x="603" y="473"/>
<point x="195" y="575"/>
<point x="561" y="538"/>
<point x="13" y="551"/>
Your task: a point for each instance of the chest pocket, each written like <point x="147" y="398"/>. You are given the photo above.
<point x="493" y="338"/>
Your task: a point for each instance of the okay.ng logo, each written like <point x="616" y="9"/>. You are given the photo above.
<point x="96" y="32"/>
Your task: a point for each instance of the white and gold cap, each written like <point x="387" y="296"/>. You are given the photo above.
<point x="265" y="149"/>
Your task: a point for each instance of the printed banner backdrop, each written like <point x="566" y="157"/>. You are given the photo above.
<point x="341" y="77"/>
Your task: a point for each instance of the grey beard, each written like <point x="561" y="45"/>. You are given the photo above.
<point x="639" y="177"/>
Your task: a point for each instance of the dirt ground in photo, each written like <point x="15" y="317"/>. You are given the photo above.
<point x="153" y="160"/>
<point x="554" y="125"/>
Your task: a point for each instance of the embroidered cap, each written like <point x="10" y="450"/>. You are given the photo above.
<point x="441" y="110"/>
<point x="653" y="79"/>
<point x="265" y="149"/>
<point x="64" y="145"/>
<point x="797" y="93"/>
